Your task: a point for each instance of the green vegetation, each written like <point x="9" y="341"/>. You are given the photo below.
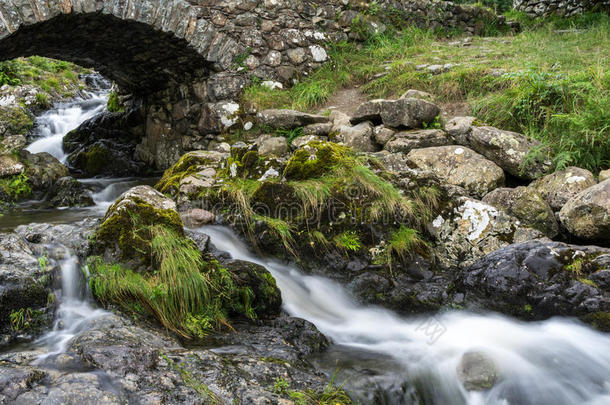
<point x="17" y="187"/>
<point x="331" y="395"/>
<point x="25" y="319"/>
<point x="552" y="86"/>
<point x="53" y="76"/>
<point x="16" y="120"/>
<point x="348" y="240"/>
<point x="114" y="104"/>
<point x="402" y="243"/>
<point x="185" y="293"/>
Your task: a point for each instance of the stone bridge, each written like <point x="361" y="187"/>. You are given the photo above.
<point x="186" y="60"/>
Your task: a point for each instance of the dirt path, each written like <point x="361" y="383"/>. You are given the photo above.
<point x="346" y="100"/>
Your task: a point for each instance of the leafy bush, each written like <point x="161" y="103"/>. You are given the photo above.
<point x="114" y="104"/>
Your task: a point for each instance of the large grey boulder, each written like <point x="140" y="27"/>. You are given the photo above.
<point x="604" y="175"/>
<point x="459" y="166"/>
<point x="405" y="141"/>
<point x="557" y="188"/>
<point x="359" y="137"/>
<point x="401" y="113"/>
<point x="527" y="206"/>
<point x="289" y="119"/>
<point x="509" y="150"/>
<point x="459" y="129"/>
<point x="587" y="214"/>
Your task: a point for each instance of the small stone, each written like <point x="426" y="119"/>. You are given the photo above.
<point x="477" y="371"/>
<point x="276" y="146"/>
<point x="604" y="175"/>
<point x="197" y="217"/>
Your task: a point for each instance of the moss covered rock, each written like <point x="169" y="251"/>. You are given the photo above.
<point x="187" y="165"/>
<point x="265" y="297"/>
<point x="123" y="234"/>
<point x="587" y="214"/>
<point x="557" y="188"/>
<point x="315" y="160"/>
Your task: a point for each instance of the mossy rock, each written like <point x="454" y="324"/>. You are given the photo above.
<point x="266" y="299"/>
<point x="15" y="121"/>
<point x="188" y="164"/>
<point x="124" y="233"/>
<point x="271" y="197"/>
<point x="599" y="320"/>
<point x="315" y="160"/>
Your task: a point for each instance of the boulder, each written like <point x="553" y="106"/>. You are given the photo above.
<point x="123" y="236"/>
<point x="468" y="229"/>
<point x="303" y="140"/>
<point x="382" y="134"/>
<point x="527" y="206"/>
<point x="604" y="175"/>
<point x="359" y="137"/>
<point x="69" y="192"/>
<point x="275" y="146"/>
<point x="12" y="143"/>
<point x="401" y="113"/>
<point x="10" y="166"/>
<point x="405" y="141"/>
<point x="587" y="214"/>
<point x="288" y="119"/>
<point x="24" y="283"/>
<point x="509" y="150"/>
<point x="459" y="166"/>
<point x="459" y="129"/>
<point x="557" y="188"/>
<point x="322" y="129"/>
<point x="267" y="299"/>
<point x="477" y="371"/>
<point x="43" y="170"/>
<point x="538" y="279"/>
<point x="197" y="217"/>
<point x="338" y="119"/>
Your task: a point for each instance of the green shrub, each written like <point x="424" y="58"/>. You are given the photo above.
<point x="114" y="104"/>
<point x="17" y="186"/>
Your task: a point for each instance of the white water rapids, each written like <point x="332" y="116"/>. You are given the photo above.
<point x="558" y="361"/>
<point x="53" y="125"/>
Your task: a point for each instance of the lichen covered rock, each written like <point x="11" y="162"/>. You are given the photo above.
<point x="587" y="214"/>
<point x="401" y="113"/>
<point x="289" y="119"/>
<point x="509" y="150"/>
<point x="527" y="206"/>
<point x="557" y="188"/>
<point x="405" y="141"/>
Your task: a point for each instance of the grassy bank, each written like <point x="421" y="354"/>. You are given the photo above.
<point x="551" y="81"/>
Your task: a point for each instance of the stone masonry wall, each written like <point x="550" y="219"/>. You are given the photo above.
<point x="566" y="8"/>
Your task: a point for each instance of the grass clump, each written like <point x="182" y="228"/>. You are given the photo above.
<point x="332" y="394"/>
<point x="186" y="294"/>
<point x="25" y="319"/>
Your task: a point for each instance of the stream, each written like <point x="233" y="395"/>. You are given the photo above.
<point x="558" y="361"/>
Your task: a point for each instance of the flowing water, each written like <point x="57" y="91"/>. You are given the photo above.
<point x="557" y="362"/>
<point x="386" y="359"/>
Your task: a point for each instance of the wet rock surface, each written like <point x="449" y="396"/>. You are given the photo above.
<point x="539" y="279"/>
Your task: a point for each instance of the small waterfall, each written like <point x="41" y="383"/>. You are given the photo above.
<point x="53" y="125"/>
<point x="558" y="361"/>
<point x="74" y="312"/>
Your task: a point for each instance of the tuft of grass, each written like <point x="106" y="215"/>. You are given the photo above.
<point x="185" y="294"/>
<point x="17" y="186"/>
<point x="332" y="394"/>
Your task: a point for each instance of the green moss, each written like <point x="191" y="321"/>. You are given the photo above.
<point x="128" y="229"/>
<point x="348" y="240"/>
<point x="114" y="104"/>
<point x="16" y="120"/>
<point x="599" y="320"/>
<point x="316" y="161"/>
<point x="94" y="160"/>
<point x="188" y="164"/>
<point x="187" y="294"/>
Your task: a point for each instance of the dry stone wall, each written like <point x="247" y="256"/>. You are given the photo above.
<point x="566" y="8"/>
